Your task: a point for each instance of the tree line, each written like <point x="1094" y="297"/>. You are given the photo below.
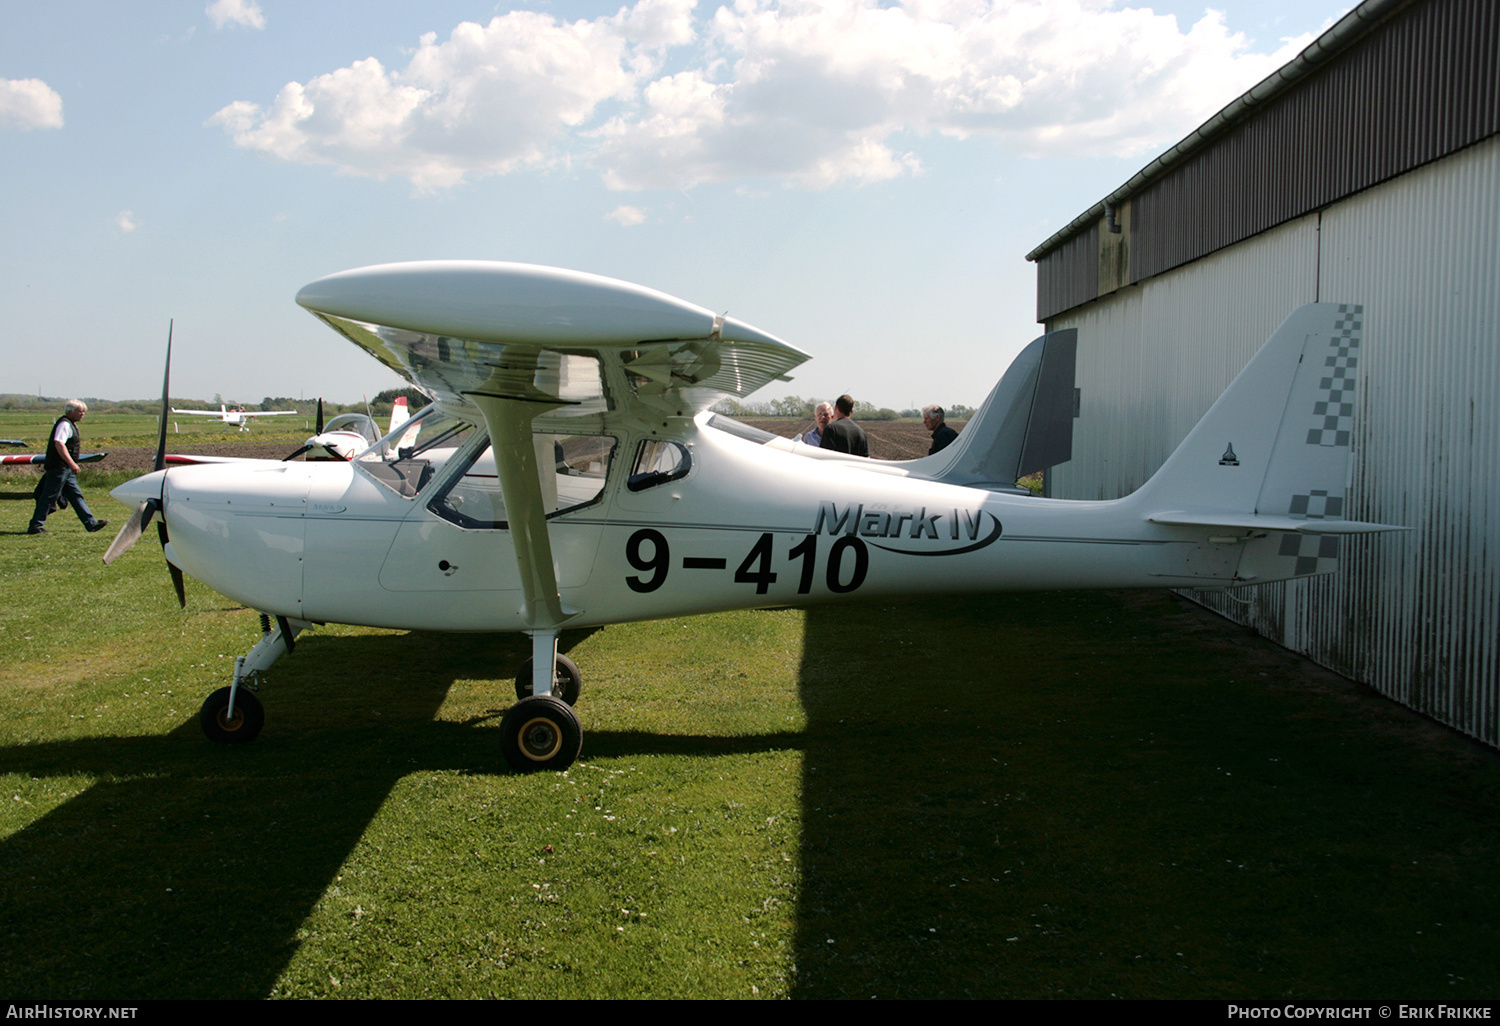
<point x="795" y="407"/>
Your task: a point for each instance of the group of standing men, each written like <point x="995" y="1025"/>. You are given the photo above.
<point x="836" y="429"/>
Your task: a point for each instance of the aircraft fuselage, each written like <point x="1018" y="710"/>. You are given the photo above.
<point x="748" y="526"/>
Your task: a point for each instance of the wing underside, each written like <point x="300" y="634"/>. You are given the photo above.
<point x="599" y="346"/>
<point x="650" y="379"/>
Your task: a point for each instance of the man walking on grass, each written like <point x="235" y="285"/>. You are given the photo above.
<point x="60" y="472"/>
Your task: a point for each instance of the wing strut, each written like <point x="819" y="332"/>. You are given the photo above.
<point x="510" y="401"/>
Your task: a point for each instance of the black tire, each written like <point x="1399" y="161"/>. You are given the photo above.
<point x="567" y="682"/>
<point x="540" y="733"/>
<point x="249" y="717"/>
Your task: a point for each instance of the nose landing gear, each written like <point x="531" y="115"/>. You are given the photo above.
<point x="227" y="726"/>
<point x="233" y="715"/>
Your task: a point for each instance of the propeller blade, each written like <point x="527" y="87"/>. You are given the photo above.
<point x="320" y="416"/>
<point x="177" y="584"/>
<point x="136" y="525"/>
<point x="131" y="532"/>
<point x="172" y="568"/>
<point x="294" y="455"/>
<point x="166" y="406"/>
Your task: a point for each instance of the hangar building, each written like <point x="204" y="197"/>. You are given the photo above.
<point x="1367" y="170"/>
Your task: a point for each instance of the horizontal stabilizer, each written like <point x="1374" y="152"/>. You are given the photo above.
<point x="1257" y="522"/>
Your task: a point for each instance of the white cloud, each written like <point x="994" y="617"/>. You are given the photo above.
<point x="808" y="92"/>
<point x="29" y="103"/>
<point x="235" y="12"/>
<point x="488" y="100"/>
<point x="126" y="221"/>
<point x="626" y="216"/>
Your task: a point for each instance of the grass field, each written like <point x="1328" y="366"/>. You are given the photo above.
<point x="1069" y="795"/>
<point x="111" y="430"/>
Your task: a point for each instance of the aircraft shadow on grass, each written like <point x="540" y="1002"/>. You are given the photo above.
<point x="186" y="869"/>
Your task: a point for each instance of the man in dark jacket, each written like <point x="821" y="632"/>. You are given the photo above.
<point x="942" y="434"/>
<point x="843" y="435"/>
<point x="60" y="472"/>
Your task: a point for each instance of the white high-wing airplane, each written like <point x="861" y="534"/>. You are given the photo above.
<point x="569" y="474"/>
<point x="238" y="417"/>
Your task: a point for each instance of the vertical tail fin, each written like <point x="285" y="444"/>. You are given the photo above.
<point x="1278" y="438"/>
<point x="1269" y="462"/>
<point x="1025" y="425"/>
<point x="400" y="413"/>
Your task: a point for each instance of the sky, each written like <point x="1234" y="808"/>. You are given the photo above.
<point x="862" y="179"/>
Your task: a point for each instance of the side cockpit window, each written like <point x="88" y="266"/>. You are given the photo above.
<point x="571" y="469"/>
<point x="658" y="462"/>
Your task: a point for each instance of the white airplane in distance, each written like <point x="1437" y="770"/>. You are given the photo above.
<point x="345" y="437"/>
<point x="569" y="473"/>
<point x="238" y="417"/>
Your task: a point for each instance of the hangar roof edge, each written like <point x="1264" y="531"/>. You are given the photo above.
<point x="1338" y="38"/>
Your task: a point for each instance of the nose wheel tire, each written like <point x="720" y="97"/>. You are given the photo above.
<point x="567" y="682"/>
<point x="242" y="728"/>
<point x="540" y="733"/>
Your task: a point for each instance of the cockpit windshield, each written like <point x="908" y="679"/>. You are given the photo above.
<point x="356" y="424"/>
<point x="405" y="460"/>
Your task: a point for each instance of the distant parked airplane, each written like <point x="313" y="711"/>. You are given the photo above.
<point x="238" y="417"/>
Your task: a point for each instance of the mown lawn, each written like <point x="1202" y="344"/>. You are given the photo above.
<point x="1046" y="795"/>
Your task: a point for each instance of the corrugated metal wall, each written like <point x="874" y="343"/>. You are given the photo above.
<point x="1415" y="615"/>
<point x="1069" y="275"/>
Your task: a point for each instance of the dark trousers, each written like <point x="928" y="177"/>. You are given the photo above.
<point x="61" y="484"/>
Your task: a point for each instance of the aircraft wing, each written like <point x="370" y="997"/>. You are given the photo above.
<point x="598" y="346"/>
<point x="40" y="458"/>
<point x="270" y="413"/>
<point x="183" y="460"/>
<point x="201" y="413"/>
<point x="515" y="345"/>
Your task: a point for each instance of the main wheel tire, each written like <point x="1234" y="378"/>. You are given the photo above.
<point x="540" y="733"/>
<point x="249" y="717"/>
<point x="567" y="682"/>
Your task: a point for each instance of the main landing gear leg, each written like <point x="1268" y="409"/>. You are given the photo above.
<point x="543" y="655"/>
<point x="542" y="731"/>
<point x="234" y="715"/>
<point x="566" y="682"/>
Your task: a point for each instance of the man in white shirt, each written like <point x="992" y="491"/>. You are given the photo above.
<point x="60" y="472"/>
<point x="823" y="414"/>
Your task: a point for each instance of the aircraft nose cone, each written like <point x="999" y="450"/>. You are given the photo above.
<point x="138" y="490"/>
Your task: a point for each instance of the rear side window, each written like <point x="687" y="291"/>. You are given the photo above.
<point x="658" y="462"/>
